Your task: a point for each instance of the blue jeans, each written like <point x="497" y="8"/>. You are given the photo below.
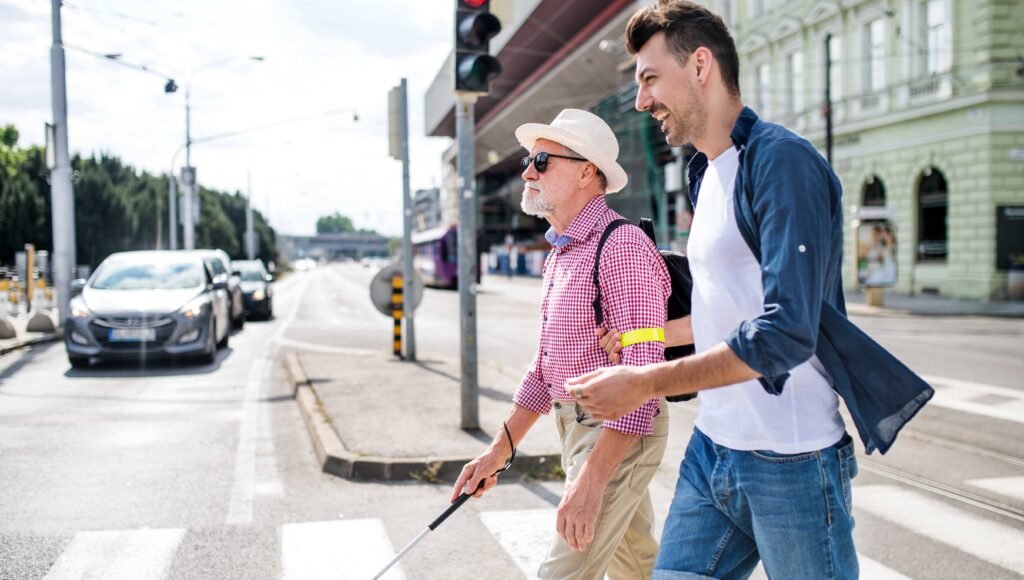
<point x="732" y="508"/>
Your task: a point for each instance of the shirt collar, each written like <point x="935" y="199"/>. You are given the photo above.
<point x="740" y="136"/>
<point x="582" y="226"/>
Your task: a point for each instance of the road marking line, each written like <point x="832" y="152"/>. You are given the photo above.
<point x="136" y="554"/>
<point x="877" y="571"/>
<point x="355" y="549"/>
<point x="990" y="541"/>
<point x="1008" y="486"/>
<point x="525" y="535"/>
<point x="242" y="485"/>
<point x="956" y="394"/>
<point x="327" y="349"/>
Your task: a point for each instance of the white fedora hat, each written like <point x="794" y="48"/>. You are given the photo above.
<point x="584" y="133"/>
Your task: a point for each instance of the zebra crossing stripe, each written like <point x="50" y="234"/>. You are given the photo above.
<point x="1008" y="486"/>
<point x="336" y="550"/>
<point x="877" y="571"/>
<point x="525" y="535"/>
<point x="960" y="396"/>
<point x="987" y="540"/>
<point x="138" y="554"/>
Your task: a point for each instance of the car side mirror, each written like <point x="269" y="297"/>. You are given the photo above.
<point x="219" y="285"/>
<point x="270" y="278"/>
<point x="76" y="286"/>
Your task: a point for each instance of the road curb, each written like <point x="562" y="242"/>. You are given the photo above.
<point x="29" y="342"/>
<point x="336" y="459"/>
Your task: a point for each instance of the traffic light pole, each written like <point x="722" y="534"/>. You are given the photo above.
<point x="62" y="194"/>
<point x="465" y="133"/>
<point x="407" y="269"/>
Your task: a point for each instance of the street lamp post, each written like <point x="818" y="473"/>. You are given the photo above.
<point x="188" y="172"/>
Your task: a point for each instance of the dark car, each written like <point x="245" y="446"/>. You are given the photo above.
<point x="256" y="288"/>
<point x="140" y="305"/>
<point x="219" y="261"/>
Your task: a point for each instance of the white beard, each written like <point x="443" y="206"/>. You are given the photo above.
<point x="536" y="202"/>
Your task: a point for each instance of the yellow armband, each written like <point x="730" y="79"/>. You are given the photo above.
<point x="642" y="335"/>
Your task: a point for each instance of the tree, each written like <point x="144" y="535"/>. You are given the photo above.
<point x="334" y="224"/>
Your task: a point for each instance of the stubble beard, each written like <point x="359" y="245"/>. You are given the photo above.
<point x="691" y="126"/>
<point x="535" y="201"/>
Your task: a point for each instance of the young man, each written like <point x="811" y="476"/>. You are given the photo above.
<point x="605" y="517"/>
<point x="767" y="471"/>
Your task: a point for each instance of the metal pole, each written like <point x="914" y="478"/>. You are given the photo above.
<point x="188" y="191"/>
<point x="407" y="271"/>
<point x="250" y="236"/>
<point x="466" y="190"/>
<point x="62" y="193"/>
<point x="172" y="208"/>
<point x="828" y="98"/>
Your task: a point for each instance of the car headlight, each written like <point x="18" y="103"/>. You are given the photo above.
<point x="259" y="295"/>
<point x="78" y="308"/>
<point x="194" y="308"/>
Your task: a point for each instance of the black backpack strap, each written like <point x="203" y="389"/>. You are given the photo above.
<point x="598" y="311"/>
<point x="648" y="227"/>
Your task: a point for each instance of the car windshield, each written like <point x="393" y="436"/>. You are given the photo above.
<point x="251" y="275"/>
<point x="129" y="276"/>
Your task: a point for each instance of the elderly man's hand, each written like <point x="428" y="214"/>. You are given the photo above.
<point x="482" y="469"/>
<point x="577" y="514"/>
<point x="610" y="392"/>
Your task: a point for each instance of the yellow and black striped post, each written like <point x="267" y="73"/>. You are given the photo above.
<point x="396" y="312"/>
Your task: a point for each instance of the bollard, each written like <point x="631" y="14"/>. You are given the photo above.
<point x="396" y="312"/>
<point x="6" y="328"/>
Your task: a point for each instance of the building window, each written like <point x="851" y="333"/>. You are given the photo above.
<point x="874" y="192"/>
<point x="933" y="201"/>
<point x="763" y="90"/>
<point x="796" y="82"/>
<point x="874" y="71"/>
<point x="835" y="48"/>
<point x="937" y="38"/>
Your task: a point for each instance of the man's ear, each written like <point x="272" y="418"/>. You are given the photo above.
<point x="589" y="174"/>
<point x="703" y="60"/>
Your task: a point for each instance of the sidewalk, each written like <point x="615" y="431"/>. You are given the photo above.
<point x="372" y="417"/>
<point x="23" y="338"/>
<point x="923" y="305"/>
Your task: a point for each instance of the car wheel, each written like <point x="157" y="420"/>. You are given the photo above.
<point x="223" y="343"/>
<point x="210" y="354"/>
<point x="239" y="321"/>
<point x="78" y="362"/>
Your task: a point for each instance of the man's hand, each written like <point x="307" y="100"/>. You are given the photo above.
<point x="577" y="513"/>
<point x="611" y="343"/>
<point x="611" y="392"/>
<point x="480" y="469"/>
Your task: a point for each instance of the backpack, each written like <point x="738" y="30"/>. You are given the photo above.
<point x="678" y="302"/>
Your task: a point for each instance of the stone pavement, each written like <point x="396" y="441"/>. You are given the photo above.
<point x="925" y="305"/>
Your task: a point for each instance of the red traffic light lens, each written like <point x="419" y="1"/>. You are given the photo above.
<point x="474" y="3"/>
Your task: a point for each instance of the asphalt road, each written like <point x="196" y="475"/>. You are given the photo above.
<point x="168" y="471"/>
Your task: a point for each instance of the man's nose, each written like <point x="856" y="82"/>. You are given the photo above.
<point x="530" y="173"/>
<point x="643" y="100"/>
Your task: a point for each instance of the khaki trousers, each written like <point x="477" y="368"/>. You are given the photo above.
<point x="623" y="546"/>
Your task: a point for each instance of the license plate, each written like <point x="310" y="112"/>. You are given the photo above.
<point x="132" y="334"/>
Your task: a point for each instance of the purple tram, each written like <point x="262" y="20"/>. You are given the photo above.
<point x="435" y="256"/>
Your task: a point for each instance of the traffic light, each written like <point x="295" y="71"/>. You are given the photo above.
<point x="475" y="26"/>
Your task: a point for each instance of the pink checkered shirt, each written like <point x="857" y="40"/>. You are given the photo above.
<point x="635" y="288"/>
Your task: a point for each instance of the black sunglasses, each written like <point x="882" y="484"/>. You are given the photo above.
<point x="540" y="160"/>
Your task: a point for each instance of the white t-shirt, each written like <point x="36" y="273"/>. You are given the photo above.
<point x="727" y="289"/>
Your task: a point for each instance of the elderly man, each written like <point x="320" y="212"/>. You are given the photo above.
<point x="605" y="517"/>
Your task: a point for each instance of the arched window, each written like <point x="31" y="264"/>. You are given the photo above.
<point x="874" y="192"/>
<point x="933" y="201"/>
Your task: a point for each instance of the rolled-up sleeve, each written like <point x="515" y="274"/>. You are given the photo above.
<point x="533" y="391"/>
<point x="794" y="211"/>
<point x="635" y="287"/>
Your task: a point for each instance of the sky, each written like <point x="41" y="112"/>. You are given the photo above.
<point x="319" y="56"/>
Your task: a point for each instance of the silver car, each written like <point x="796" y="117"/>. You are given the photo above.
<point x="147" y="305"/>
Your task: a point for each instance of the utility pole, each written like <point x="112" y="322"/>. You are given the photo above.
<point x="407" y="271"/>
<point x="465" y="134"/>
<point x="188" y="180"/>
<point x="172" y="208"/>
<point x="62" y="193"/>
<point x="828" y="98"/>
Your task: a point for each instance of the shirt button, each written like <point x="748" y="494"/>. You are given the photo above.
<point x="545" y="318"/>
<point x="551" y="285"/>
<point x="802" y="248"/>
<point x="545" y="353"/>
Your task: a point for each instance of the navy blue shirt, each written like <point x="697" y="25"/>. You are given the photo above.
<point x="789" y="211"/>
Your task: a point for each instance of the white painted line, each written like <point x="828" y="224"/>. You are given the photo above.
<point x="300" y="344"/>
<point x="343" y="549"/>
<point x="960" y="529"/>
<point x="877" y="571"/>
<point x="242" y="483"/>
<point x="956" y="394"/>
<point x="137" y="554"/>
<point x="1008" y="486"/>
<point x="525" y="535"/>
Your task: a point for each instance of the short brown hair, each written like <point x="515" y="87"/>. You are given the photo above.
<point x="687" y="26"/>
